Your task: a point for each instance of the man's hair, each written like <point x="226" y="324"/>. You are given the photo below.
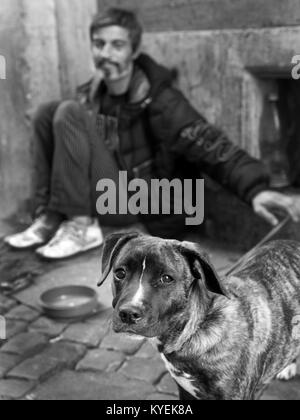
<point x="119" y="17"/>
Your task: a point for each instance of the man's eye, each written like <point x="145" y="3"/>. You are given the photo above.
<point x="119" y="45"/>
<point x="120" y="274"/>
<point x="165" y="279"/>
<point x="98" y="44"/>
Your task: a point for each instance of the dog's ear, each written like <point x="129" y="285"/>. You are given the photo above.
<point x="111" y="249"/>
<point x="202" y="268"/>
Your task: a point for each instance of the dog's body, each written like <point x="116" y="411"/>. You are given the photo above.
<point x="220" y="339"/>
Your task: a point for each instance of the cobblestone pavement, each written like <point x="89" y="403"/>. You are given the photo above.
<point x="43" y="359"/>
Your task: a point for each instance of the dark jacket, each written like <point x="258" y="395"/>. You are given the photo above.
<point x="161" y="135"/>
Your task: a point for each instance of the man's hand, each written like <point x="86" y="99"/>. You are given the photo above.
<point x="267" y="200"/>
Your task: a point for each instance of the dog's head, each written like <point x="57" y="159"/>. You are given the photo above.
<point x="154" y="280"/>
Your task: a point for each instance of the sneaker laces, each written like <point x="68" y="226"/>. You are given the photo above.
<point x="69" y="230"/>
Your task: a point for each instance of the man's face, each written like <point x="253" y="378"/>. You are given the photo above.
<point x="112" y="52"/>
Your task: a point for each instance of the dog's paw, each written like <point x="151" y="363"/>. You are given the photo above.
<point x="288" y="373"/>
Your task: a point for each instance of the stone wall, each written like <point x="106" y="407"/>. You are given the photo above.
<point x="217" y="72"/>
<point x="46" y="48"/>
<point x="179" y="15"/>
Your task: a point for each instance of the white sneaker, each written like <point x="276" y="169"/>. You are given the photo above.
<point x="71" y="239"/>
<point x="39" y="233"/>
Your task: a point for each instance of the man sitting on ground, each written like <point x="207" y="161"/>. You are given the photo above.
<point x="131" y="118"/>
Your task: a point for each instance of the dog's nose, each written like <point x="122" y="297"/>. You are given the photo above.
<point x="130" y="315"/>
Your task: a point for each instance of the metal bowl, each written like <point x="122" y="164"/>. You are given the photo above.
<point x="69" y="302"/>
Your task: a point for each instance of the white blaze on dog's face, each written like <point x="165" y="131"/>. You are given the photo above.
<point x="139" y="296"/>
<point x="152" y="286"/>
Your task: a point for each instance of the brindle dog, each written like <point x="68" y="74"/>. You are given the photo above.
<point x="221" y="339"/>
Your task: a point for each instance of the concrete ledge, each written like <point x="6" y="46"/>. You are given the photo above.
<point x="178" y="15"/>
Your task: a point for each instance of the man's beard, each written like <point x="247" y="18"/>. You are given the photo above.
<point x="108" y="71"/>
<point x="114" y="72"/>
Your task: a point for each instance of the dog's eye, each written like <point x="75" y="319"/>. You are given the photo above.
<point x="165" y="279"/>
<point x="120" y="274"/>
